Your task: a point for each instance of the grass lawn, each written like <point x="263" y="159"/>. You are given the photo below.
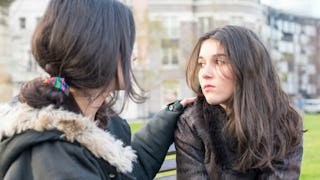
<point x="135" y="126"/>
<point x="310" y="169"/>
<point x="311" y="146"/>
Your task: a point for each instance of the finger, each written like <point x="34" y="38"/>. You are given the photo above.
<point x="187" y="101"/>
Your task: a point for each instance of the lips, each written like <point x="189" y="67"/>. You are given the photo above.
<point x="208" y="86"/>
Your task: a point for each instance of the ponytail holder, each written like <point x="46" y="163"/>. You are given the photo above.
<point x="58" y="83"/>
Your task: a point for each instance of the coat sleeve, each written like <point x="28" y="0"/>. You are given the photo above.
<point x="289" y="168"/>
<point x="151" y="143"/>
<point x="190" y="152"/>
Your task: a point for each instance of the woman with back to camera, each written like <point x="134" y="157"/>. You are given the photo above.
<point x="242" y="125"/>
<point x="63" y="127"/>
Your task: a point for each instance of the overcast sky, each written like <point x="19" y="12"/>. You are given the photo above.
<point x="300" y="7"/>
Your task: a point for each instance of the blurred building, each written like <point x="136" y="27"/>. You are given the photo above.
<point x="294" y="42"/>
<point x="24" y="16"/>
<point x="166" y="33"/>
<point x="5" y="52"/>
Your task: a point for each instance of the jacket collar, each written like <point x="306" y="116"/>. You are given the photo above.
<point x="19" y="118"/>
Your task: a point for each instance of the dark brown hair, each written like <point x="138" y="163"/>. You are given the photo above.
<point x="82" y="41"/>
<point x="261" y="118"/>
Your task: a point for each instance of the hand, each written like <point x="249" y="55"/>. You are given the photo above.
<point x="187" y="101"/>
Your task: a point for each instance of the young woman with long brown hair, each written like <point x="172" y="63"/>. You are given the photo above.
<point x="242" y="125"/>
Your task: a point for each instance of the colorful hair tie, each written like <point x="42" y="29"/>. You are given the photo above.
<point x="58" y="83"/>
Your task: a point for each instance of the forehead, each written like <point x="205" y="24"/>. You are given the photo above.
<point x="211" y="47"/>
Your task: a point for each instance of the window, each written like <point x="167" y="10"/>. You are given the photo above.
<point x="205" y="24"/>
<point x="172" y="26"/>
<point x="169" y="40"/>
<point x="170" y="49"/>
<point x="22" y="21"/>
<point x="31" y="64"/>
<point x="287" y="36"/>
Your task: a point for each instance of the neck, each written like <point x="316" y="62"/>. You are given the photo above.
<point x="89" y="109"/>
<point x="88" y="106"/>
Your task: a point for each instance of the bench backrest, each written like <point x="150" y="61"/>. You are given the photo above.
<point x="169" y="164"/>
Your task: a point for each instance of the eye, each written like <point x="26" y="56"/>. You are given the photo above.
<point x="201" y="63"/>
<point x="220" y="62"/>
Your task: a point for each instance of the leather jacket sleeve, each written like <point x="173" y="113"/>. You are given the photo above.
<point x="151" y="143"/>
<point x="190" y="152"/>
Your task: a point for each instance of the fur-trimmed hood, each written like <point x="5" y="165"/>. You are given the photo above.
<point x="18" y="118"/>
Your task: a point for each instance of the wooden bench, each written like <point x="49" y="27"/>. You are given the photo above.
<point x="169" y="165"/>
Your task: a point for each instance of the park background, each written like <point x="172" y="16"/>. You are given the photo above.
<point x="166" y="33"/>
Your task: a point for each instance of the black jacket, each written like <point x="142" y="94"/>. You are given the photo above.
<point x="55" y="144"/>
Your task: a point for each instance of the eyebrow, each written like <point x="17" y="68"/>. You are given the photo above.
<point x="214" y="55"/>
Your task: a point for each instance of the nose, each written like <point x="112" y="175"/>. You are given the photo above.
<point x="207" y="71"/>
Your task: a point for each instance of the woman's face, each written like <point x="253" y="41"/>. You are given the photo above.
<point x="215" y="73"/>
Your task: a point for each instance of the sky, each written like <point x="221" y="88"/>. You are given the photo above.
<point x="310" y="8"/>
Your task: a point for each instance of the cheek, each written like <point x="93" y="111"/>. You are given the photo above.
<point x="226" y="72"/>
<point x="200" y="73"/>
<point x="229" y="83"/>
<point x="230" y="88"/>
<point x="120" y="77"/>
<point x="226" y="86"/>
<point x="199" y="76"/>
<point x="121" y="80"/>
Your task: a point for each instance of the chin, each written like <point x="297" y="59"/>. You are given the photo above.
<point x="211" y="102"/>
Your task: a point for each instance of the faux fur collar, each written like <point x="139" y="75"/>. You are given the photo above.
<point x="18" y="118"/>
<point x="207" y="121"/>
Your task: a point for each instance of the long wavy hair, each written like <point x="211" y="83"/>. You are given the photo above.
<point x="82" y="41"/>
<point x="260" y="115"/>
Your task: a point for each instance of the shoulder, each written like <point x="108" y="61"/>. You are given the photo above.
<point x="194" y="113"/>
<point x="36" y="153"/>
<point x="190" y="121"/>
<point x="190" y="115"/>
<point x="189" y="131"/>
<point x="20" y="118"/>
<point x="199" y="117"/>
<point x="50" y="142"/>
<point x="42" y="154"/>
<point x="49" y="155"/>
